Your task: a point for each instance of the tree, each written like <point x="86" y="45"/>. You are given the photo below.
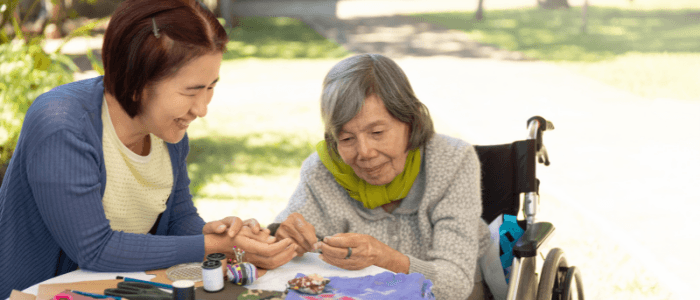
<point x="479" y="11"/>
<point x="584" y="17"/>
<point x="553" y="4"/>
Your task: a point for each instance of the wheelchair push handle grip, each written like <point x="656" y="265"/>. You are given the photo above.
<point x="544" y="125"/>
<point x="536" y="125"/>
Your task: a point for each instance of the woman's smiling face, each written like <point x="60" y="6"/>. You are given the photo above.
<point x="173" y="103"/>
<point x="374" y="143"/>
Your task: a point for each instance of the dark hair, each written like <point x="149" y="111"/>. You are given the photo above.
<point x="353" y="79"/>
<point x="135" y="58"/>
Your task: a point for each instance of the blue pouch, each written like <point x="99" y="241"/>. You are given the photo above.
<point x="509" y="233"/>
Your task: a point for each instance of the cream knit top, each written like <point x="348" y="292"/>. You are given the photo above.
<point x="137" y="186"/>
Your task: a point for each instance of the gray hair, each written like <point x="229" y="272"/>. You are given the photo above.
<point x="353" y="79"/>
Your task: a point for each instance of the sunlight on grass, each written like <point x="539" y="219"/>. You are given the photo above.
<point x="648" y="75"/>
<point x="279" y="37"/>
<point x="556" y="34"/>
<point x="651" y="53"/>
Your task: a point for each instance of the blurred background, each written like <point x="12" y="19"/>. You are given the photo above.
<point x="620" y="80"/>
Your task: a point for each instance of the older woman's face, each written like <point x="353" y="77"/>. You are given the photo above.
<point x="374" y="143"/>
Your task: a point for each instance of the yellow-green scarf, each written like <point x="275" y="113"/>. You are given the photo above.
<point x="371" y="196"/>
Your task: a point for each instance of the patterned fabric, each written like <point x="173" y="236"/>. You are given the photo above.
<point x="385" y="285"/>
<point x="242" y="273"/>
<point x="438" y="225"/>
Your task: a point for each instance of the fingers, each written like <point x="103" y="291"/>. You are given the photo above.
<point x="232" y="223"/>
<point x="234" y="226"/>
<point x="307" y="231"/>
<point x="253" y="224"/>
<point x="344" y="240"/>
<point x="295" y="227"/>
<point x="352" y="263"/>
<point x="261" y="236"/>
<point x="333" y="252"/>
<point x="263" y="249"/>
<point x="274" y="261"/>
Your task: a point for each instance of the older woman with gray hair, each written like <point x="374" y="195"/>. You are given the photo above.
<point x="383" y="189"/>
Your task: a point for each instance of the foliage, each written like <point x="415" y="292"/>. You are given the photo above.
<point x="555" y="35"/>
<point x="279" y="37"/>
<point x="26" y="71"/>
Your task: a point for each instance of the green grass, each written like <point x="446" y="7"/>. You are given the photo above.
<point x="279" y="37"/>
<point x="555" y="35"/>
<point x="648" y="75"/>
<point x="217" y="165"/>
<point x="652" y="53"/>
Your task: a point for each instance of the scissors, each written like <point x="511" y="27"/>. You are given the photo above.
<point x="138" y="291"/>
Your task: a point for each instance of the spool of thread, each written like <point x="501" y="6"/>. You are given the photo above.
<point x="183" y="290"/>
<point x="212" y="277"/>
<point x="242" y="273"/>
<point x="221" y="258"/>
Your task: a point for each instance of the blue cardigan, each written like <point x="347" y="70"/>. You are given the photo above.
<point x="51" y="214"/>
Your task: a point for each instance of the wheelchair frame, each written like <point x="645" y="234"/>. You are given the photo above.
<point x="557" y="279"/>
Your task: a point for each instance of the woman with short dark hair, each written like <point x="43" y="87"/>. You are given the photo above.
<point x="383" y="189"/>
<point x="99" y="179"/>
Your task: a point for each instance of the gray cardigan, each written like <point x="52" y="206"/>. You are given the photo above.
<point x="438" y="225"/>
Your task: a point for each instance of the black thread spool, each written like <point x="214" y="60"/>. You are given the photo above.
<point x="183" y="290"/>
<point x="220" y="257"/>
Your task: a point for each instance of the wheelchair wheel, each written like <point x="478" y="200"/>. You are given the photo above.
<point x="573" y="276"/>
<point x="553" y="276"/>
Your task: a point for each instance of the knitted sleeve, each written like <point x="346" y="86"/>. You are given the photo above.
<point x="184" y="219"/>
<point x="306" y="202"/>
<point x="63" y="172"/>
<point x="457" y="229"/>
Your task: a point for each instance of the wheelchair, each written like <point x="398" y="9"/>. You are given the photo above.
<point x="509" y="177"/>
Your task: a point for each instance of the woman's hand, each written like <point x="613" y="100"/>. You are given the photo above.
<point x="266" y="254"/>
<point x="233" y="224"/>
<point x="366" y="251"/>
<point x="255" y="226"/>
<point x="301" y="232"/>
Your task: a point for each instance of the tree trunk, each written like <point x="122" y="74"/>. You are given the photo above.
<point x="57" y="15"/>
<point x="584" y="17"/>
<point x="553" y="4"/>
<point x="479" y="11"/>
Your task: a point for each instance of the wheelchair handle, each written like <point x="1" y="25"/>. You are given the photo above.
<point x="535" y="126"/>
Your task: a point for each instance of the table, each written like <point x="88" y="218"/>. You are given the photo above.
<point x="273" y="280"/>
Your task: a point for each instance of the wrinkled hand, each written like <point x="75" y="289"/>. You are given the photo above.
<point x="301" y="232"/>
<point x="265" y="254"/>
<point x="366" y="251"/>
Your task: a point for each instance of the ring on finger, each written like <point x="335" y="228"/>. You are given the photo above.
<point x="349" y="253"/>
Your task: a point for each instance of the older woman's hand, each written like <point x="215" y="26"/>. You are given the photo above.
<point x="366" y="251"/>
<point x="301" y="232"/>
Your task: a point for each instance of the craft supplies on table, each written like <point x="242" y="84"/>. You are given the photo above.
<point x="212" y="277"/>
<point x="183" y="290"/>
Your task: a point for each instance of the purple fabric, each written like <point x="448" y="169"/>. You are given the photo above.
<point x="385" y="285"/>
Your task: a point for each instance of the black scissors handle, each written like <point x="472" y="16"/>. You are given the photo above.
<point x="138" y="291"/>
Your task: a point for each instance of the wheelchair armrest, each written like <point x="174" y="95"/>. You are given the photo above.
<point x="534" y="237"/>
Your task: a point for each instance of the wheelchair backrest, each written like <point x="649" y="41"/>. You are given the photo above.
<point x="506" y="171"/>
